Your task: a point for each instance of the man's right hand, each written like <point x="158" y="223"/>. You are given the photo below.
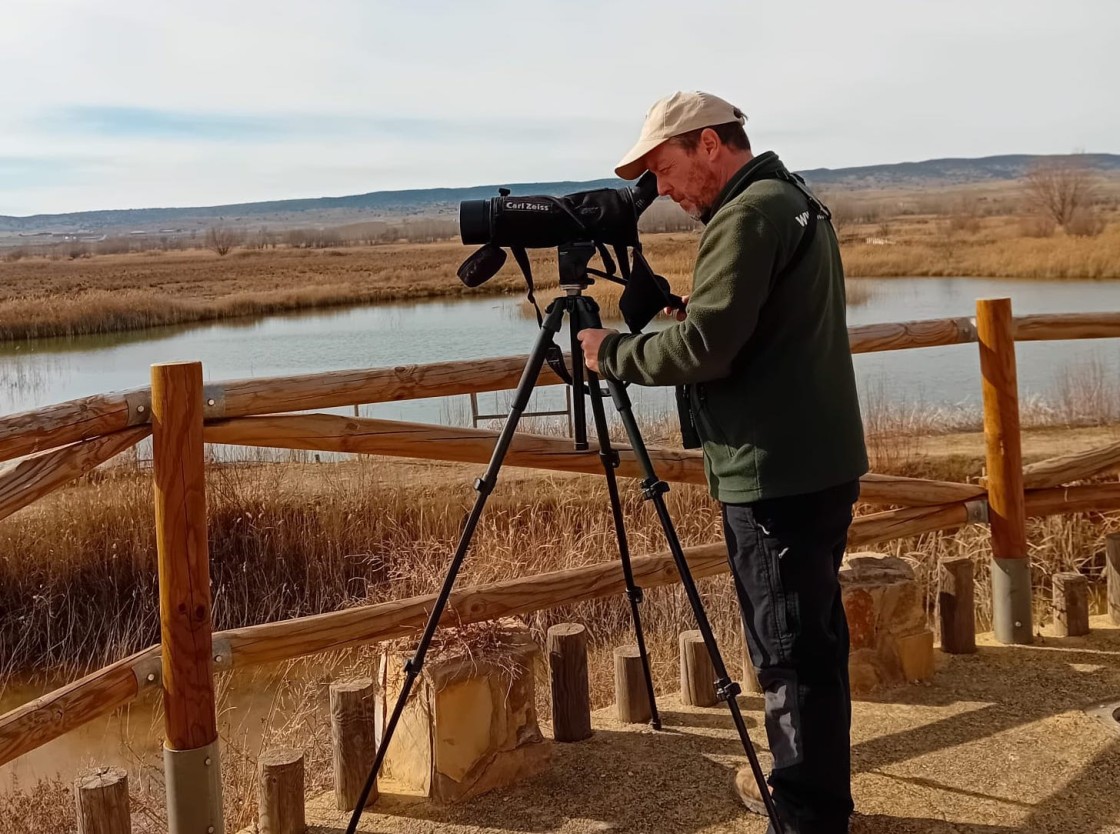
<point x="673" y="311"/>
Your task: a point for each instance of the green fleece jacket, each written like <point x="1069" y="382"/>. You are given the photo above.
<point x="764" y="354"/>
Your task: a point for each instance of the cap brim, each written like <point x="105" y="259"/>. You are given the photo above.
<point x="633" y="165"/>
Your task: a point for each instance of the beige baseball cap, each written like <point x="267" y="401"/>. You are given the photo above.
<point x="671" y="116"/>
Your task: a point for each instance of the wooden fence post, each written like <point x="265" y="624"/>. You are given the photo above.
<point x="631" y="695"/>
<point x="190" y="753"/>
<point x="280" y="792"/>
<point x="571" y="697"/>
<point x="101" y="795"/>
<point x="956" y="606"/>
<point x="698" y="676"/>
<point x="1112" y="571"/>
<point x="1071" y="604"/>
<point x="750" y="674"/>
<point x="1011" y="574"/>
<point x="354" y="739"/>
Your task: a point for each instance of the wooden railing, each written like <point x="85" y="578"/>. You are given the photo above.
<point x="59" y="443"/>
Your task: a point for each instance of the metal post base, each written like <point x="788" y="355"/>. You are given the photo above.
<point x="1011" y="601"/>
<point x="194" y="790"/>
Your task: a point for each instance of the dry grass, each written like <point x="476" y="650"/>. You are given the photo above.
<point x="41" y="297"/>
<point x="991" y="251"/>
<point x="291" y="540"/>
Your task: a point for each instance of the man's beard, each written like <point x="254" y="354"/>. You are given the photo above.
<point x="706" y="187"/>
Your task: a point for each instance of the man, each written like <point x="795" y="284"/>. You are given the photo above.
<point x="763" y="351"/>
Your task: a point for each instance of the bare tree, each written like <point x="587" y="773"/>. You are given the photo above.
<point x="1061" y="188"/>
<point x="221" y="239"/>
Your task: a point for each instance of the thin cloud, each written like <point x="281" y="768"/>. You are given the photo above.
<point x="145" y="123"/>
<point x="139" y="104"/>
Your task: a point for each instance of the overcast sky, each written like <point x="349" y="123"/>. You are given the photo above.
<point x="122" y="104"/>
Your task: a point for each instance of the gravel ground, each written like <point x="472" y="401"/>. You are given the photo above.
<point x="1000" y="741"/>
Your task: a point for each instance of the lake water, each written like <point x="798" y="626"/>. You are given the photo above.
<point x="52" y="370"/>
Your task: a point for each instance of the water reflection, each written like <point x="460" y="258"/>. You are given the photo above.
<point x="33" y="374"/>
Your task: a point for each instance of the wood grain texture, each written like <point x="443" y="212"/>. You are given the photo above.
<point x="914" y="492"/>
<point x="388" y="620"/>
<point x="62" y="423"/>
<point x="1071" y="604"/>
<point x="1059" y="326"/>
<point x="749" y="682"/>
<point x="101" y="797"/>
<point x="1076" y="499"/>
<point x="336" y="433"/>
<point x="698" y="675"/>
<point x="956" y="605"/>
<point x="281" y="806"/>
<point x="911" y="521"/>
<point x="49" y="716"/>
<point x="272" y="395"/>
<point x="1112" y="575"/>
<point x="999" y="383"/>
<point x="178" y="474"/>
<point x="630" y="693"/>
<point x="353" y="740"/>
<point x="1072" y="467"/>
<point x="566" y="648"/>
<point x="26" y="481"/>
<point x="871" y="338"/>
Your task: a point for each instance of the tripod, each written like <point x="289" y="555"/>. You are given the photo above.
<point x="582" y="312"/>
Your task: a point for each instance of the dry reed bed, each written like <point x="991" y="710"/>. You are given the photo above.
<point x="290" y="540"/>
<point x="112" y="293"/>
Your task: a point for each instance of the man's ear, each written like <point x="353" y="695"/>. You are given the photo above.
<point x="709" y="141"/>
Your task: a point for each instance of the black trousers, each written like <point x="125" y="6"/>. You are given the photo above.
<point x="785" y="554"/>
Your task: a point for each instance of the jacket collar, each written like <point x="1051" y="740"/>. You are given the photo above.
<point x="764" y="163"/>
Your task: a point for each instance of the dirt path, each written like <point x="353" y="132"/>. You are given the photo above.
<point x="1000" y="741"/>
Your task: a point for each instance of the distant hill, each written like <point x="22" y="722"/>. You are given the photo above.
<point x="386" y="205"/>
<point x="943" y="172"/>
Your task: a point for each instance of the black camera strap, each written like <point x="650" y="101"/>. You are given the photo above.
<point x="817" y="211"/>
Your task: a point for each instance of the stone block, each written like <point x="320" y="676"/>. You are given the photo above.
<point x="915" y="655"/>
<point x="890" y="642"/>
<point x="470" y="724"/>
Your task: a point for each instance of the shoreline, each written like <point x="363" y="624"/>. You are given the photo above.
<point x="137" y="292"/>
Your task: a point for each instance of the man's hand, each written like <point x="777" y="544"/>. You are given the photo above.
<point x="590" y="340"/>
<point x="674" y="312"/>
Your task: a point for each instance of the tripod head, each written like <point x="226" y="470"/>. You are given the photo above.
<point x="572" y="260"/>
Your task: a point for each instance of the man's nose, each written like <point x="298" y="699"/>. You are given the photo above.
<point x="662" y="188"/>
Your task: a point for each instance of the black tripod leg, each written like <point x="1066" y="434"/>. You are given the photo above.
<point x="484" y="485"/>
<point x="609" y="459"/>
<point x="727" y="690"/>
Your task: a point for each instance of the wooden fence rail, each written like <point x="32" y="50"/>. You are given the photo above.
<point x="45" y="428"/>
<point x="365" y="435"/>
<point x="1073" y="467"/>
<point x="57" y="425"/>
<point x="32" y="478"/>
